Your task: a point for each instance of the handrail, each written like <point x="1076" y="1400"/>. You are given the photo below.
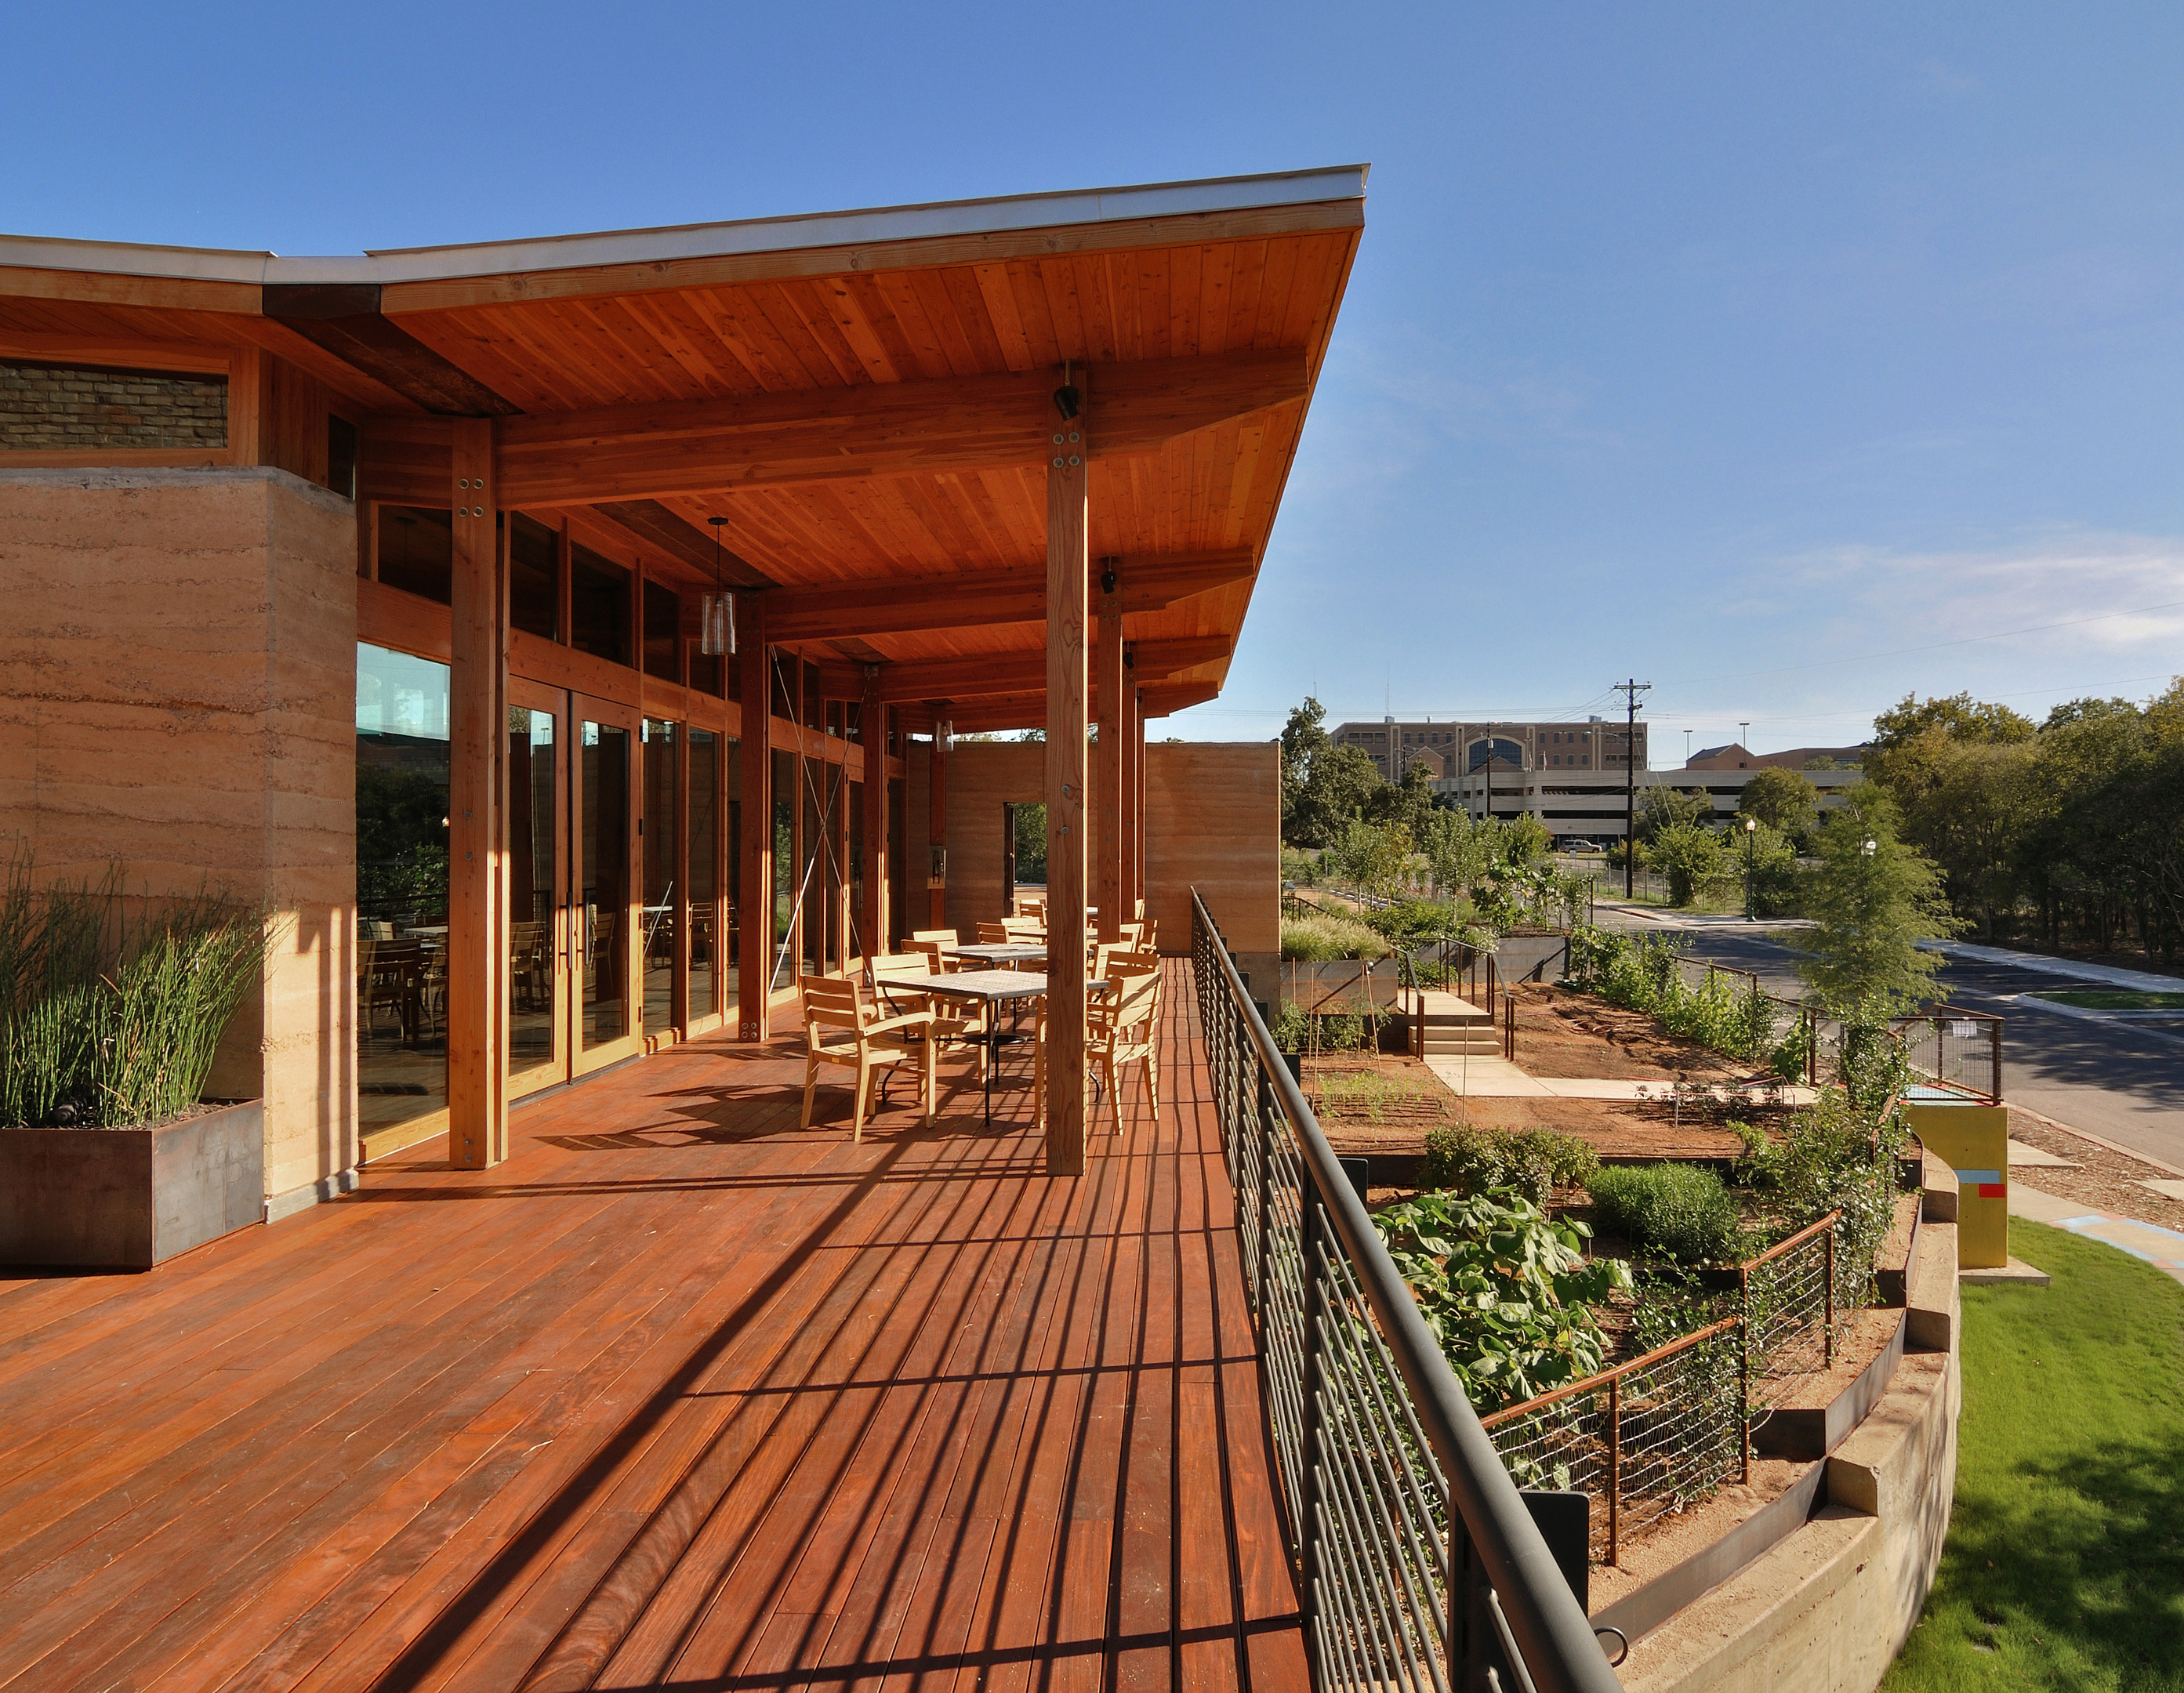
<point x="1554" y="1638"/>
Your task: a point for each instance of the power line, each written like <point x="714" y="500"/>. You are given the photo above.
<point x="1630" y="690"/>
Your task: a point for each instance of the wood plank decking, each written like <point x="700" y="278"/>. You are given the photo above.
<point x="677" y="1397"/>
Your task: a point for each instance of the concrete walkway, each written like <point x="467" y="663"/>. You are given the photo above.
<point x="1497" y="1078"/>
<point x="2162" y="1248"/>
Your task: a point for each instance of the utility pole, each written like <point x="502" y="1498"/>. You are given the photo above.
<point x="1630" y="690"/>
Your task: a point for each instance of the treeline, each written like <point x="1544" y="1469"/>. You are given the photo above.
<point x="2067" y="830"/>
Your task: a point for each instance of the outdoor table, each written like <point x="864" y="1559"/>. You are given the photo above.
<point x="998" y="953"/>
<point x="989" y="988"/>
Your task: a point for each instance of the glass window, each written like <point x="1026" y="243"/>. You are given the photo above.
<point x="709" y="674"/>
<point x="663" y="633"/>
<point x="604" y="838"/>
<point x="534" y="578"/>
<point x="417" y="550"/>
<point x="341" y="456"/>
<point x="657" y="830"/>
<point x="784" y="847"/>
<point x="532" y="906"/>
<point x="859" y="943"/>
<point x="705" y="891"/>
<point x="733" y="788"/>
<point x="599" y="606"/>
<point x="401" y="888"/>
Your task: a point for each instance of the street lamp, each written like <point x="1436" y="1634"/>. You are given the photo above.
<point x="1751" y="860"/>
<point x="1871" y="848"/>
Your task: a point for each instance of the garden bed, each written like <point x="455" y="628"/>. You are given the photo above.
<point x="1568" y="1032"/>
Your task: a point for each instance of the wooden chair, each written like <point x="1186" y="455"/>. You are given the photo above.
<point x="993" y="934"/>
<point x="1122" y="1026"/>
<point x="937" y="944"/>
<point x="954" y="1022"/>
<point x="873" y="1043"/>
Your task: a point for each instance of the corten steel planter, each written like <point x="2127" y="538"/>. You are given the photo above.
<point x="130" y="1198"/>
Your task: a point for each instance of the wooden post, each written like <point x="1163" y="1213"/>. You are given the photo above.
<point x="838" y="833"/>
<point x="1067" y="591"/>
<point x="1114" y="768"/>
<point x="754" y="688"/>
<point x="936" y="794"/>
<point x="1135" y="881"/>
<point x="872" y="730"/>
<point x="477" y="859"/>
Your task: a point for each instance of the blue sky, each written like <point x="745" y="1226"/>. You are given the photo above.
<point x="1790" y="358"/>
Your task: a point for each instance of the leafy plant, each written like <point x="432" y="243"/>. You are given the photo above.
<point x="1534" y="1161"/>
<point x="1291" y="1027"/>
<point x="1691" y="856"/>
<point x="1679" y="1211"/>
<point x="1369" y="1094"/>
<point x="1505" y="1289"/>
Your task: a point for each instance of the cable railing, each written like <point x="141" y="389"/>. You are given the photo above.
<point x="1419" y="1565"/>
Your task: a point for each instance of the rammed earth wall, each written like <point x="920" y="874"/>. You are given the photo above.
<point x="178" y="695"/>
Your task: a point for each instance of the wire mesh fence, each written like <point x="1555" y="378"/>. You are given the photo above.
<point x="1957" y="1050"/>
<point x="1659" y="1434"/>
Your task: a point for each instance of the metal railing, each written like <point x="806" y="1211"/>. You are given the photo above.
<point x="1660" y="1433"/>
<point x="1419" y="1567"/>
<point x="1955" y="1049"/>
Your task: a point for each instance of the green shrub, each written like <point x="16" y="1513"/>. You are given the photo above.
<point x="1291" y="1027"/>
<point x="1505" y="1289"/>
<point x="1677" y="1210"/>
<point x="1828" y="1160"/>
<point x="1535" y="1161"/>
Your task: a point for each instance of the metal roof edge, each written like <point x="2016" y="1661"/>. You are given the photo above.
<point x="746" y="237"/>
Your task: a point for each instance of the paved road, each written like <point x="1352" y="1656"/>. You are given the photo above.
<point x="2122" y="1080"/>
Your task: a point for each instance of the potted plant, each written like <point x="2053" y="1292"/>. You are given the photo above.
<point x="108" y="1155"/>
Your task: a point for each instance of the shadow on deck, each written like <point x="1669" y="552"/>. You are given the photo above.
<point x="677" y="1397"/>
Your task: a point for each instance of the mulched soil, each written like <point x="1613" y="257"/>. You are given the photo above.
<point x="1562" y="1032"/>
<point x="2105" y="1180"/>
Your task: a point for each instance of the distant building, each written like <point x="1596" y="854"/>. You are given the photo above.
<point x="1589" y="804"/>
<point x="1735" y="757"/>
<point x="1454" y="749"/>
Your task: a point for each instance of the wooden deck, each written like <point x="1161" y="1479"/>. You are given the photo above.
<point x="677" y="1397"/>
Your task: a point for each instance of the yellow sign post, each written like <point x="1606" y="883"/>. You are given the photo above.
<point x="1973" y="1141"/>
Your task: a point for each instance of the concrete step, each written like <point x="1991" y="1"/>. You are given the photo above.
<point x="1451" y="1043"/>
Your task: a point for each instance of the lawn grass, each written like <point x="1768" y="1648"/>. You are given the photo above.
<point x="2064" y="1567"/>
<point x="2113" y="999"/>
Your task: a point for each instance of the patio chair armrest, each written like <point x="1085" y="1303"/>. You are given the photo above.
<point x="907" y="1019"/>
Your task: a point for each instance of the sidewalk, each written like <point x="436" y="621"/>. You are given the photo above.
<point x="2105" y="975"/>
<point x="2162" y="1248"/>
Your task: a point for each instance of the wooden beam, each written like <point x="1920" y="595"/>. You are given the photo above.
<point x="344" y="318"/>
<point x="1109" y="688"/>
<point x="1151" y="581"/>
<point x="1176" y="696"/>
<point x="887" y="606"/>
<point x="1022" y="672"/>
<point x="477" y="864"/>
<point x="755" y="915"/>
<point x="875" y="429"/>
<point x="1067" y="567"/>
<point x="655" y="526"/>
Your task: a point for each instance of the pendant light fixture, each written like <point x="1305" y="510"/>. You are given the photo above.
<point x="716" y="611"/>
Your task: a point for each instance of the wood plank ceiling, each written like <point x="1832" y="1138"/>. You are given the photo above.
<point x="959" y="537"/>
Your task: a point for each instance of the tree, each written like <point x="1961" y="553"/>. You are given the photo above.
<point x="1899" y="731"/>
<point x="1658" y="808"/>
<point x="1782" y="799"/>
<point x="1408" y="802"/>
<point x="1972" y="806"/>
<point x="1324" y="786"/>
<point x="1690" y="857"/>
<point x="1373" y="855"/>
<point x="1872" y="908"/>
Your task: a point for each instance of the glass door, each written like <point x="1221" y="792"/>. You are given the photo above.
<point x="537" y="894"/>
<point x="605" y="918"/>
<point x="660" y="840"/>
